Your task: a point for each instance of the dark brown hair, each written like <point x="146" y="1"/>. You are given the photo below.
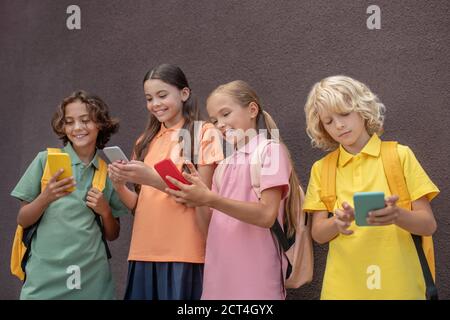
<point x="174" y="76"/>
<point x="98" y="112"/>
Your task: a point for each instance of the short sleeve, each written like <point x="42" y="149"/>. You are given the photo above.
<point x="210" y="151"/>
<point x="276" y="168"/>
<point x="417" y="181"/>
<point x="312" y="198"/>
<point x="117" y="207"/>
<point x="29" y="186"/>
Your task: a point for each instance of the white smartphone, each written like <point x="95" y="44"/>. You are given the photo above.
<point x="114" y="153"/>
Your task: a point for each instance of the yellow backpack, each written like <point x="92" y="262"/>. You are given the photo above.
<point x="393" y="171"/>
<point x="22" y="239"/>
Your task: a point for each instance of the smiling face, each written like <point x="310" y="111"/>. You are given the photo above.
<point x="347" y="129"/>
<point x="165" y="101"/>
<point x="79" y="128"/>
<point x="232" y="119"/>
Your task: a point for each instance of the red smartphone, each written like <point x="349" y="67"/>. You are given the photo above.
<point x="165" y="168"/>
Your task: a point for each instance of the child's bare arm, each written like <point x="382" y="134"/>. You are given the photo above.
<point x="29" y="213"/>
<point x="419" y="221"/>
<point x="127" y="196"/>
<point x="325" y="229"/>
<point x="137" y="172"/>
<point x="204" y="213"/>
<point x="262" y="213"/>
<point x="111" y="227"/>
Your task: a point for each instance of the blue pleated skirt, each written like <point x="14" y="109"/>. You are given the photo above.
<point x="164" y="281"/>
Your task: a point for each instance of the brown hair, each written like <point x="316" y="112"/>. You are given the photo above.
<point x="174" y="76"/>
<point x="242" y="93"/>
<point x="98" y="112"/>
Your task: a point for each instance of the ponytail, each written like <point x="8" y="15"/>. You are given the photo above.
<point x="242" y="93"/>
<point x="293" y="200"/>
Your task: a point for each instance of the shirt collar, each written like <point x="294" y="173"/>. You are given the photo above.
<point x="76" y="160"/>
<point x="250" y="146"/>
<point x="163" y="128"/>
<point x="372" y="148"/>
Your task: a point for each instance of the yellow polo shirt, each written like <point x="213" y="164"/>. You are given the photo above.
<point x="373" y="262"/>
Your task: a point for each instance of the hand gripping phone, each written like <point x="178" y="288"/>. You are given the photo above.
<point x="58" y="161"/>
<point x="114" y="153"/>
<point x="165" y="168"/>
<point x="364" y="203"/>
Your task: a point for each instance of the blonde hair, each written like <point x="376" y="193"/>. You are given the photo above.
<point x="243" y="94"/>
<point x="341" y="94"/>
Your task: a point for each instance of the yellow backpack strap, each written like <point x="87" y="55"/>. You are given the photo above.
<point x="393" y="171"/>
<point x="328" y="179"/>
<point x="17" y="252"/>
<point x="100" y="175"/>
<point x="99" y="182"/>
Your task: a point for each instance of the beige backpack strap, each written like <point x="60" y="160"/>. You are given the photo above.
<point x="256" y="166"/>
<point x="218" y="174"/>
<point x="328" y="180"/>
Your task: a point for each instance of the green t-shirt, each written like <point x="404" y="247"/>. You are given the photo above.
<point x="68" y="258"/>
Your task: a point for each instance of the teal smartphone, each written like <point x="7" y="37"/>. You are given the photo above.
<point x="365" y="202"/>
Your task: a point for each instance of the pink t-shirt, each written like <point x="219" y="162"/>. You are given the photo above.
<point x="242" y="260"/>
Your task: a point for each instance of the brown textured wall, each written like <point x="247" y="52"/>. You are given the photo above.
<point x="280" y="47"/>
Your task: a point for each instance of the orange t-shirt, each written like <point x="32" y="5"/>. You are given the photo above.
<point x="164" y="230"/>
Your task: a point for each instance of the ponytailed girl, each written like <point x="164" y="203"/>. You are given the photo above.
<point x="243" y="260"/>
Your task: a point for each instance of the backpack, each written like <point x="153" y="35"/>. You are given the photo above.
<point x="22" y="239"/>
<point x="393" y="171"/>
<point x="298" y="249"/>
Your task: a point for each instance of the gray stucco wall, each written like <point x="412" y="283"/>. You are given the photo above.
<point x="280" y="47"/>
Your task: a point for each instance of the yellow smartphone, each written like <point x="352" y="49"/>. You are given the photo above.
<point x="58" y="161"/>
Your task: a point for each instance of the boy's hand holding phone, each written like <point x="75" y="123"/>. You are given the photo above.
<point x="97" y="202"/>
<point x="385" y="216"/>
<point x="60" y="161"/>
<point x="344" y="218"/>
<point x="58" y="189"/>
